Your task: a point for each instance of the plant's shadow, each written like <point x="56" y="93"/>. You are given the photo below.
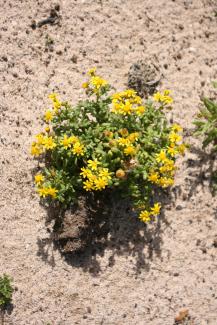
<point x="201" y="171"/>
<point x="4" y="312"/>
<point x="105" y="227"/>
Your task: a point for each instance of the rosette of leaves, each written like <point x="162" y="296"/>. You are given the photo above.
<point x="206" y="123"/>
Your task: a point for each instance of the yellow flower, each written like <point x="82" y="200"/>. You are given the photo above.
<point x="157" y="96"/>
<point x="137" y="100"/>
<point x="165" y="182"/>
<point x="39" y="179"/>
<point x="45" y="191"/>
<point x="56" y="106"/>
<point x="42" y="191"/>
<point x="116" y="108"/>
<point x="155" y="210"/>
<point x="145" y="216"/>
<point x="52" y="192"/>
<point x="129" y="93"/>
<point x="172" y="150"/>
<point x="48" y="116"/>
<point x="49" y="143"/>
<point x="177" y="128"/>
<point x="88" y="185"/>
<point x="130" y="151"/>
<point x="93" y="164"/>
<point x="98" y="82"/>
<point x="78" y="149"/>
<point x="104" y="172"/>
<point x="85" y="172"/>
<point x="53" y="97"/>
<point x="66" y="142"/>
<point x="126" y="108"/>
<point x="92" y="177"/>
<point x="100" y="183"/>
<point x="133" y="137"/>
<point x="56" y="103"/>
<point x="47" y="129"/>
<point x="140" y="110"/>
<point x="36" y="150"/>
<point x="165" y="99"/>
<point x="92" y="72"/>
<point x="168" y="166"/>
<point x="166" y="92"/>
<point x="85" y="85"/>
<point x="174" y="137"/>
<point x="181" y="148"/>
<point x="116" y="97"/>
<point x="40" y="138"/>
<point x="153" y="177"/>
<point x="161" y="157"/>
<point x="73" y="139"/>
<point x="123" y="142"/>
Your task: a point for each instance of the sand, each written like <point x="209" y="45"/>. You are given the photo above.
<point x="141" y="275"/>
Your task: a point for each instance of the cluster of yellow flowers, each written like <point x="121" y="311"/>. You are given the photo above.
<point x="146" y="215"/>
<point x="97" y="178"/>
<point x="44" y="191"/>
<point x="45" y="142"/>
<point x="56" y="103"/>
<point x="74" y="144"/>
<point x="49" y="114"/>
<point x="95" y="83"/>
<point x="163" y="98"/>
<point x="127" y="102"/>
<point x="164" y="175"/>
<point x="42" y="143"/>
<point x="127" y="142"/>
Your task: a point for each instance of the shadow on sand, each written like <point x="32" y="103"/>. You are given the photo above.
<point x="84" y="233"/>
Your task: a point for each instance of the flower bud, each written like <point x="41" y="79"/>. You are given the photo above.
<point x="120" y="173"/>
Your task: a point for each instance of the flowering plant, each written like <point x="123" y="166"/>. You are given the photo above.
<point x="109" y="141"/>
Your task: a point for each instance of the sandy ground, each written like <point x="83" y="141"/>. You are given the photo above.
<point x="141" y="275"/>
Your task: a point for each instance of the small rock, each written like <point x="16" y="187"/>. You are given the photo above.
<point x="176" y="274"/>
<point x="57" y="7"/>
<point x="33" y="24"/>
<point x="192" y="50"/>
<point x="4" y="58"/>
<point x="179" y="207"/>
<point x="74" y="58"/>
<point x="59" y="51"/>
<point x="183" y="313"/>
<point x="215" y="242"/>
<point x="143" y="77"/>
<point x="207" y="34"/>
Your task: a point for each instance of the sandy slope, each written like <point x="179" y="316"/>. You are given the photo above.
<point x="133" y="279"/>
